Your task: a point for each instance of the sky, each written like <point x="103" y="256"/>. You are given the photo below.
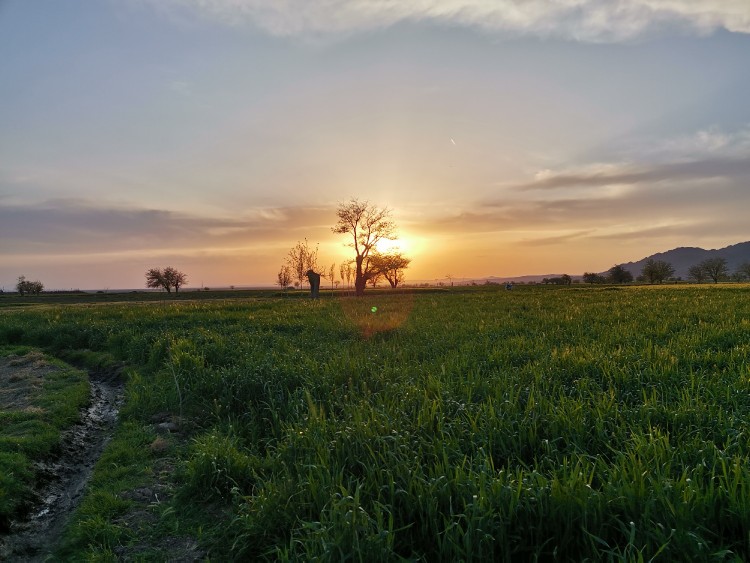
<point x="507" y="137"/>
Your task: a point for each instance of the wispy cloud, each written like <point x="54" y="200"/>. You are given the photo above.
<point x="632" y="174"/>
<point x="79" y="226"/>
<point x="709" y="153"/>
<point x="584" y="20"/>
<point x="556" y="239"/>
<point x="688" y="229"/>
<point x="705" y="143"/>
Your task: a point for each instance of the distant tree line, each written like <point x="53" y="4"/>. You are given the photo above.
<point x="658" y="271"/>
<point x="565" y="279"/>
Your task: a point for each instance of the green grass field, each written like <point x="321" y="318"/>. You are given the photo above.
<point x="39" y="398"/>
<point x="474" y="424"/>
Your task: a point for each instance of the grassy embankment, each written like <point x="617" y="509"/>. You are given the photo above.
<point x="478" y="424"/>
<point x="39" y="398"/>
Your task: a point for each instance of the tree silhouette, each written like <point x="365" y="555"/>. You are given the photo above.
<point x="174" y="278"/>
<point x="590" y="277"/>
<point x="715" y="268"/>
<point x="367" y="225"/>
<point x="167" y="278"/>
<point x="284" y="277"/>
<point x="656" y="271"/>
<point x="618" y="274"/>
<point x="697" y="273"/>
<point x="345" y="270"/>
<point x="300" y="259"/>
<point x="24" y="286"/>
<point x="743" y="271"/>
<point x="392" y="266"/>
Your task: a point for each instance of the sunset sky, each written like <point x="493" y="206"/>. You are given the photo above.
<point x="509" y="137"/>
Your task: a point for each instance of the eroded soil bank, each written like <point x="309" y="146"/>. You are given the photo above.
<point x="63" y="478"/>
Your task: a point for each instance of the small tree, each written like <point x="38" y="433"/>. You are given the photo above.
<point x="167" y="278"/>
<point x="618" y="274"/>
<point x="743" y="271"/>
<point x="392" y="266"/>
<point x="345" y="270"/>
<point x="21" y="286"/>
<point x="697" y="273"/>
<point x="592" y="278"/>
<point x="155" y="279"/>
<point x="24" y="286"/>
<point x="36" y="287"/>
<point x="715" y="268"/>
<point x="656" y="271"/>
<point x="174" y="278"/>
<point x="367" y="225"/>
<point x="374" y="279"/>
<point x="300" y="259"/>
<point x="332" y="274"/>
<point x="284" y="277"/>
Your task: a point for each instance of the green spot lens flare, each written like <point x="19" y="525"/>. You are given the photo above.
<point x="374" y="309"/>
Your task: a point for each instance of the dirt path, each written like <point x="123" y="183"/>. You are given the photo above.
<point x="64" y="478"/>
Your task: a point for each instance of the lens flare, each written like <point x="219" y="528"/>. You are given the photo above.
<point x="390" y="313"/>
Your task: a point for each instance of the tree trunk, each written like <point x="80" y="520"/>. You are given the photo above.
<point x="359" y="286"/>
<point x="359" y="280"/>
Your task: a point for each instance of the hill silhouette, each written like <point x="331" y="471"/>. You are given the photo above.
<point x="685" y="256"/>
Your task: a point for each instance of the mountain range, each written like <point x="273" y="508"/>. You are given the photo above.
<point x="683" y="257"/>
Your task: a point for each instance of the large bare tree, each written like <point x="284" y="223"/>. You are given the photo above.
<point x="367" y="225"/>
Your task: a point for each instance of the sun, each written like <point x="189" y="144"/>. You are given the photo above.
<point x="385" y="246"/>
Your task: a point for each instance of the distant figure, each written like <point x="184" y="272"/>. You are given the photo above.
<point x="509" y="286"/>
<point x="314" y="279"/>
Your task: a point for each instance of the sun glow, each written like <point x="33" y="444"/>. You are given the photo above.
<point x="385" y="246"/>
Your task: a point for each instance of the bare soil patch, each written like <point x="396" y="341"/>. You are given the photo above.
<point x="61" y="479"/>
<point x="21" y="377"/>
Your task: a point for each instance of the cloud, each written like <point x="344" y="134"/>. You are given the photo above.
<point x="584" y="20"/>
<point x="556" y="239"/>
<point x="705" y="143"/>
<point x="631" y="174"/>
<point x="683" y="229"/>
<point x="75" y="226"/>
<point x="693" y="229"/>
<point x="676" y="205"/>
